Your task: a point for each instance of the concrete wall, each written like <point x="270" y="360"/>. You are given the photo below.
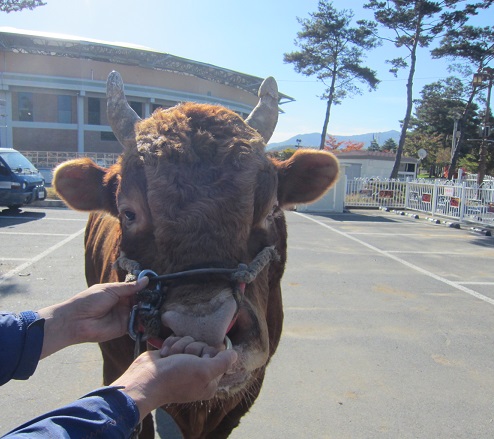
<point x="333" y="201"/>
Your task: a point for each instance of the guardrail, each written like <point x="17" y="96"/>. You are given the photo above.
<point x="457" y="200"/>
<point x="362" y="192"/>
<point x="50" y="160"/>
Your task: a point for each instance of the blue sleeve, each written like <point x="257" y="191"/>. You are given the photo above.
<point x="21" y="341"/>
<point x="106" y="413"/>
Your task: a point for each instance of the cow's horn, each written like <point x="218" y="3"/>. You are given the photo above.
<point x="121" y="116"/>
<point x="265" y="116"/>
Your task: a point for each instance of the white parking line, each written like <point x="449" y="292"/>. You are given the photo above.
<point x="34" y="218"/>
<point x="35" y="234"/>
<point x="14" y="259"/>
<point x="456" y="285"/>
<point x="424" y="252"/>
<point x="31" y="261"/>
<point x="475" y="283"/>
<point x="397" y="234"/>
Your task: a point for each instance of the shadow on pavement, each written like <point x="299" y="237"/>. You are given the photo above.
<point x="12" y="217"/>
<point x="8" y="287"/>
<point x="353" y="217"/>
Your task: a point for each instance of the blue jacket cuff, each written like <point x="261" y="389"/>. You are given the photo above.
<point x="33" y="344"/>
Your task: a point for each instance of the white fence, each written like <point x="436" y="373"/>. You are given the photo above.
<point x="460" y="201"/>
<point x="362" y="192"/>
<point x="47" y="161"/>
<point x="51" y="159"/>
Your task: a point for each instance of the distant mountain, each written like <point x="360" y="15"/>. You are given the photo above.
<point x="313" y="140"/>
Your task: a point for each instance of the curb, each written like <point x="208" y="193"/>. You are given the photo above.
<point x="480" y="231"/>
<point x="48" y="203"/>
<point x="451" y="224"/>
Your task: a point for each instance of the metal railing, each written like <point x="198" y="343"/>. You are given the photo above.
<point x="463" y="201"/>
<point x="374" y="192"/>
<point x="50" y="160"/>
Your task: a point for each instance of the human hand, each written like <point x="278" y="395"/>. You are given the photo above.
<point x="152" y="381"/>
<point x="97" y="314"/>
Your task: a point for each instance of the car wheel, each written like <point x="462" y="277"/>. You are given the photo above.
<point x="15" y="207"/>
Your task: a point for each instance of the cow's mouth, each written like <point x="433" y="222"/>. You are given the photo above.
<point x="155" y="343"/>
<point x="237" y="337"/>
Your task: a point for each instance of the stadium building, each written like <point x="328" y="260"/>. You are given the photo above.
<point x="53" y="89"/>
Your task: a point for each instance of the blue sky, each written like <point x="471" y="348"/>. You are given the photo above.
<point x="246" y="36"/>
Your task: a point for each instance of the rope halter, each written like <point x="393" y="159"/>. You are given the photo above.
<point x="145" y="320"/>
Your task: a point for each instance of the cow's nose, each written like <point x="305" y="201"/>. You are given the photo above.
<point x="207" y="322"/>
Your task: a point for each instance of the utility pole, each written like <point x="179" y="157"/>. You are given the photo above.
<point x="486" y="74"/>
<point x="454" y="145"/>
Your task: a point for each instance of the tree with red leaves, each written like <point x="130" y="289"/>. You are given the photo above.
<point x="333" y="145"/>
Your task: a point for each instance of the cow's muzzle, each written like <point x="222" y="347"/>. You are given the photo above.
<point x="145" y="322"/>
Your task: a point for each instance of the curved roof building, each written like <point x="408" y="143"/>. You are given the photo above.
<point x="53" y="89"/>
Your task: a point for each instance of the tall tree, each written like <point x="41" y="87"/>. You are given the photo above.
<point x="19" y="5"/>
<point x="473" y="48"/>
<point x="441" y="103"/>
<point x="431" y="144"/>
<point x="438" y="106"/>
<point x="415" y="24"/>
<point x="333" y="50"/>
<point x="389" y="146"/>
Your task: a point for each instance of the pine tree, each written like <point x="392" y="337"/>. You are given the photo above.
<point x="414" y="24"/>
<point x="19" y="5"/>
<point x="333" y="51"/>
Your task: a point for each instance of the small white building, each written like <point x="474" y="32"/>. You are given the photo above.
<point x="377" y="164"/>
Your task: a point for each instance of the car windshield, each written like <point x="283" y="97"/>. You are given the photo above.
<point x="18" y="163"/>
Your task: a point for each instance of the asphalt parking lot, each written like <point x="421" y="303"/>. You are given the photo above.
<point x="389" y="328"/>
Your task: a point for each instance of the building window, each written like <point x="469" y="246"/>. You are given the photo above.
<point x="93" y="111"/>
<point x="137" y="107"/>
<point x="65" y="109"/>
<point x="409" y="167"/>
<point x="25" y="103"/>
<point x="107" y="136"/>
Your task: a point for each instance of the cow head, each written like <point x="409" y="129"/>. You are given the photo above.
<point x="193" y="189"/>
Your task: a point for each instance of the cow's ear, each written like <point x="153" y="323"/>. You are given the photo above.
<point x="85" y="186"/>
<point x="306" y="176"/>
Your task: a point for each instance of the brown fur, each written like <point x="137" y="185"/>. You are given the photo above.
<point x="202" y="193"/>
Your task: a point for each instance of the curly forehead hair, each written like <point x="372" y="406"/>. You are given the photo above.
<point x="193" y="132"/>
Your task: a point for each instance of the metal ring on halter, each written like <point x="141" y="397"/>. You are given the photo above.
<point x="228" y="343"/>
<point x="145" y="273"/>
<point x="150" y="274"/>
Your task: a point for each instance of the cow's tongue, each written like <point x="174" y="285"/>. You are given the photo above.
<point x="202" y="323"/>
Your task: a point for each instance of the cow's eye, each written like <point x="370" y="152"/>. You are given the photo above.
<point x="129" y="215"/>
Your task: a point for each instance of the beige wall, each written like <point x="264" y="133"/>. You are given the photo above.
<point x="26" y="139"/>
<point x="48" y="77"/>
<point x="98" y="71"/>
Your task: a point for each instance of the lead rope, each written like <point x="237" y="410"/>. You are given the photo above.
<point x="142" y="307"/>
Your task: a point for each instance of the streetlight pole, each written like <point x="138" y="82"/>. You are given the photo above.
<point x="454" y="144"/>
<point x="487" y="74"/>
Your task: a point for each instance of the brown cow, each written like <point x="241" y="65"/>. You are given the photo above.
<point x="195" y="189"/>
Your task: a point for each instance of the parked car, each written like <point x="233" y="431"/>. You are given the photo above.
<point x="20" y="182"/>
